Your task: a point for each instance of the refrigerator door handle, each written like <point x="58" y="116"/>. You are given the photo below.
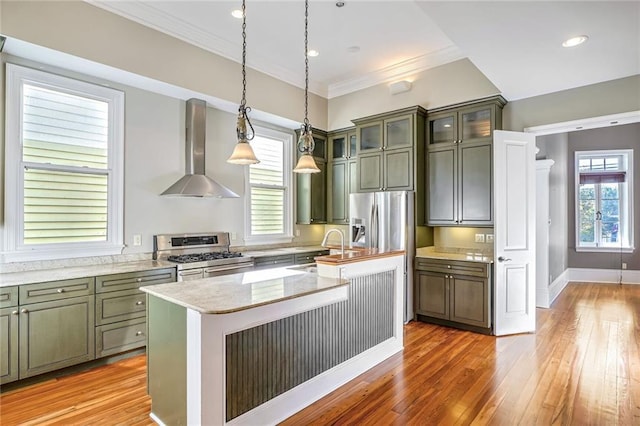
<point x="375" y="224"/>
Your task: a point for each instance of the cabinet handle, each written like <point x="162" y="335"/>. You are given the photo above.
<point x="24" y="310"/>
<point x="14" y="312"/>
<point x="60" y="290"/>
<point x="138" y="333"/>
<point x="139" y="280"/>
<point x="139" y="302"/>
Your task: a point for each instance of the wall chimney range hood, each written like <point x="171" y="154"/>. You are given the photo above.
<point x="195" y="183"/>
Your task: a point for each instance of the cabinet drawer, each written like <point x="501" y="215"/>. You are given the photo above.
<point x="121" y="336"/>
<point x="270" y="261"/>
<point x="309" y="257"/>
<point x="119" y="305"/>
<point x="133" y="280"/>
<point x="55" y="290"/>
<point x="8" y="297"/>
<point x="459" y="267"/>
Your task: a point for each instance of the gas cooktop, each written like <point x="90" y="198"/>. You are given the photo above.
<point x="202" y="257"/>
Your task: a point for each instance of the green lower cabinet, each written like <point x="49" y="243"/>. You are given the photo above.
<point x="120" y="337"/>
<point x="56" y="334"/>
<point x="8" y="344"/>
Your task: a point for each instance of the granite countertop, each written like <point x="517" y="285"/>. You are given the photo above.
<point x="237" y="292"/>
<point x="71" y="272"/>
<point x="356" y="255"/>
<point x="448" y="253"/>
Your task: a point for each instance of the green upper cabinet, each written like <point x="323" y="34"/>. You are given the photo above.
<point x="390" y="150"/>
<point x="311" y="190"/>
<point x="341" y="173"/>
<point x="459" y="163"/>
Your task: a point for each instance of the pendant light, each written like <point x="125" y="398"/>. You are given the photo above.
<point x="243" y="153"/>
<point x="306" y="163"/>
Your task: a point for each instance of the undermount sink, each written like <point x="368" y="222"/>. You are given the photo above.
<point x="309" y="267"/>
<point x="338" y="251"/>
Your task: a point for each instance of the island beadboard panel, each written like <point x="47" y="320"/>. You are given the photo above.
<point x="268" y="360"/>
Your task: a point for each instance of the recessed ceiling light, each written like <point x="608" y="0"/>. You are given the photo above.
<point x="574" y="41"/>
<point x="353" y="49"/>
<point x="237" y="14"/>
<point x="340" y="3"/>
<point x="312" y="53"/>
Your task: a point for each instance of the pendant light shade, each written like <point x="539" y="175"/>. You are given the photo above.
<point x="243" y="153"/>
<point x="306" y="163"/>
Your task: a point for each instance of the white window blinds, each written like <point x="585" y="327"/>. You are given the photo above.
<point x="268" y="189"/>
<point x="65" y="159"/>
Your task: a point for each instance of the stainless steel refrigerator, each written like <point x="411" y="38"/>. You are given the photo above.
<point x="385" y="220"/>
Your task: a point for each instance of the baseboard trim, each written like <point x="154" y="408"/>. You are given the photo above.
<point x="613" y="276"/>
<point x="558" y="285"/>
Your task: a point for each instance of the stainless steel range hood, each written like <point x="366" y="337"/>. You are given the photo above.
<point x="195" y="183"/>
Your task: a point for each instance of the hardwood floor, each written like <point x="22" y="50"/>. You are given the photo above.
<point x="581" y="367"/>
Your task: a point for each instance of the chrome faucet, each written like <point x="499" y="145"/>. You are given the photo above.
<point x="326" y="237"/>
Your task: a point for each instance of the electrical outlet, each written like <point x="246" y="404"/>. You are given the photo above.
<point x="488" y="238"/>
<point x="479" y="238"/>
<point x="297" y="232"/>
<point x="624" y="265"/>
<point x="137" y="240"/>
<point x="234" y="236"/>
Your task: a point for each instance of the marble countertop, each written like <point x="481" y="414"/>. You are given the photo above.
<point x="71" y="272"/>
<point x="237" y="292"/>
<point x="282" y="251"/>
<point x="356" y="255"/>
<point x="469" y="255"/>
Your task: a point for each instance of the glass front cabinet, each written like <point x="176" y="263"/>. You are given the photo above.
<point x="459" y="163"/>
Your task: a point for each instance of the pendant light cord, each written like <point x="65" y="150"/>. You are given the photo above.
<point x="244" y="56"/>
<point x="306" y="64"/>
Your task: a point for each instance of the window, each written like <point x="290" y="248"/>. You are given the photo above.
<point x="64" y="152"/>
<point x="268" y="194"/>
<point x="604" y="204"/>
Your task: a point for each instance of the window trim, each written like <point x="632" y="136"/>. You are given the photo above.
<point x="14" y="249"/>
<point x="627" y="196"/>
<point x="287" y="139"/>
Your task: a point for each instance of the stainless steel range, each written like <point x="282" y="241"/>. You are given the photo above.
<point x="200" y="255"/>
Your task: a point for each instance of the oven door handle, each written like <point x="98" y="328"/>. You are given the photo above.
<point x="228" y="268"/>
<point x="191" y="272"/>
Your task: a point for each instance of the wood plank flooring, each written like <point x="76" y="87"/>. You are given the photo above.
<point x="582" y="367"/>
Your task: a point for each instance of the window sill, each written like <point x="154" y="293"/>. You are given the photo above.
<point x="256" y="241"/>
<point x="605" y="249"/>
<point x="59" y="253"/>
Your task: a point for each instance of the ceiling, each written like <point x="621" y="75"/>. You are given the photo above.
<point x="516" y="44"/>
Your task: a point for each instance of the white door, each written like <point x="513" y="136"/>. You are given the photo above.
<point x="514" y="177"/>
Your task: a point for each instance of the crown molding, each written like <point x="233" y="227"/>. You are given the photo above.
<point x="396" y="72"/>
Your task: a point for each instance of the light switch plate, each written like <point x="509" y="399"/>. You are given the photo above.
<point x="489" y="238"/>
<point x="137" y="240"/>
<point x="479" y="238"/>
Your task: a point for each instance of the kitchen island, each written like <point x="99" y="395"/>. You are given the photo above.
<point x="255" y="348"/>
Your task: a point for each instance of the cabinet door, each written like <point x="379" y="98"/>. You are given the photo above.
<point x="339" y="192"/>
<point x="8" y="344"/>
<point x="56" y="334"/>
<point x="476" y="123"/>
<point x="475" y="203"/>
<point x="398" y="132"/>
<point x="398" y="170"/>
<point x="311" y="196"/>
<point x="370" y="137"/>
<point x="442" y="185"/>
<point x="433" y="294"/>
<point x="442" y="128"/>
<point x="370" y="172"/>
<point x="470" y="300"/>
<point x="319" y="194"/>
<point x="338" y="147"/>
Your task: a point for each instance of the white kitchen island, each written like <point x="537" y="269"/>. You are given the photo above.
<point x="257" y="347"/>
